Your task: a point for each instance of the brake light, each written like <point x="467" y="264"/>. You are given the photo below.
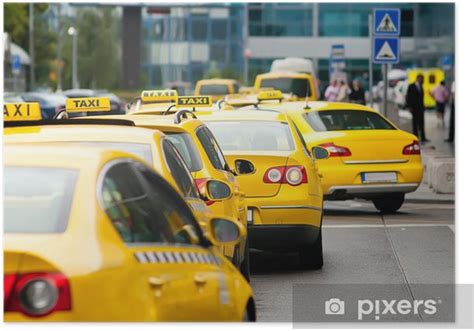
<point x="293" y="175"/>
<point x="335" y="150"/>
<point x="36" y="294"/>
<point x="412" y="149"/>
<point x="200" y="183"/>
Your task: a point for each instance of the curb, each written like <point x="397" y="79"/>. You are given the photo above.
<point x="430" y="201"/>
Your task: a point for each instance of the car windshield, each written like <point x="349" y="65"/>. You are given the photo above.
<point x="298" y="86"/>
<point x="341" y="120"/>
<point x="186" y="147"/>
<point x="37" y="200"/>
<point x="252" y="135"/>
<point x="215" y="89"/>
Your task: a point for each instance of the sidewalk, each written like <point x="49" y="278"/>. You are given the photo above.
<point x="437" y="146"/>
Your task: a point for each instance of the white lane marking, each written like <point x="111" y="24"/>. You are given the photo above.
<point x="335" y="226"/>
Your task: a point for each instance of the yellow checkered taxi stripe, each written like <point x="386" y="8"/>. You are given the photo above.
<point x="176" y="257"/>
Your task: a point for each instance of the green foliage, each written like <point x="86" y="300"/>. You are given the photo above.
<point x="98" y="49"/>
<point x="16" y="25"/>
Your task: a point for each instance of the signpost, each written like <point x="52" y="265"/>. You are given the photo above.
<point x="337" y="63"/>
<point x="16" y="70"/>
<point x="385" y="42"/>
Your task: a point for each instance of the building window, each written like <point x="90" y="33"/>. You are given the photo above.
<point x="219" y="29"/>
<point x="282" y="19"/>
<point x="199" y="29"/>
<point x="258" y="66"/>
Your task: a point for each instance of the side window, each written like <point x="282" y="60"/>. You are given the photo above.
<point x="138" y="214"/>
<point x="179" y="171"/>
<point x="184" y="226"/>
<point x="211" y="147"/>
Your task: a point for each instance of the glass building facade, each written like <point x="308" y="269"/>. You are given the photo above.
<point x="189" y="40"/>
<point x="186" y="42"/>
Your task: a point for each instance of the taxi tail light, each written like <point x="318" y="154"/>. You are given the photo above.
<point x="335" y="150"/>
<point x="36" y="294"/>
<point x="293" y="175"/>
<point x="412" y="149"/>
<point x="200" y="183"/>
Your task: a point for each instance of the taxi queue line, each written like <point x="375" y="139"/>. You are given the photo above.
<point x="181" y="191"/>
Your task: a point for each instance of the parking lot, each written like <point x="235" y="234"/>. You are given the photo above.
<point x="414" y="246"/>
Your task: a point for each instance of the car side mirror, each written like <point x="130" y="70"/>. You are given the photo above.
<point x="320" y="153"/>
<point x="244" y="167"/>
<point x="225" y="231"/>
<point x="216" y="190"/>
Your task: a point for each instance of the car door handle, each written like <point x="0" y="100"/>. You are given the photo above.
<point x="157" y="281"/>
<point x="200" y="279"/>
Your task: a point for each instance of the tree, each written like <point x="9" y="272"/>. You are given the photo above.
<point x="98" y="49"/>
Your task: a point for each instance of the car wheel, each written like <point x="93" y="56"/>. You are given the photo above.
<point x="245" y="265"/>
<point x="311" y="257"/>
<point x="389" y="203"/>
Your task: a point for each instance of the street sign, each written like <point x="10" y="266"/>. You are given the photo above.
<point x="337" y="62"/>
<point x="386" y="50"/>
<point x="16" y="64"/>
<point x="387" y="21"/>
<point x="447" y="62"/>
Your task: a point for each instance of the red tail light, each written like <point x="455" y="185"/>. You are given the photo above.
<point x="36" y="294"/>
<point x="412" y="149"/>
<point x="201" y="182"/>
<point x="335" y="150"/>
<point x="293" y="175"/>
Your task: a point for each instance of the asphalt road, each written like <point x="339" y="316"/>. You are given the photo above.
<point x="402" y="254"/>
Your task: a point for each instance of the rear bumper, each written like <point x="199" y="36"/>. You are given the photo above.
<point x="282" y="237"/>
<point x="367" y="190"/>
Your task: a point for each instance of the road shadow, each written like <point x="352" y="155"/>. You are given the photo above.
<point x="268" y="262"/>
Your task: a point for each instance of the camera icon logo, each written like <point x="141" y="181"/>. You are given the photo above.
<point x="335" y="306"/>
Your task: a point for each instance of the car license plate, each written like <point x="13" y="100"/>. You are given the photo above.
<point x="249" y="216"/>
<point x="379" y="177"/>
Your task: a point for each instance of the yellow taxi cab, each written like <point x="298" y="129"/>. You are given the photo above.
<point x="204" y="158"/>
<point x="280" y="177"/>
<point x="150" y="145"/>
<point x="301" y="85"/>
<point x="370" y="158"/>
<point x="432" y="78"/>
<point x="216" y="87"/>
<point x="93" y="234"/>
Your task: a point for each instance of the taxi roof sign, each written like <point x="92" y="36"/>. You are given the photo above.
<point x="74" y="105"/>
<point x="194" y="101"/>
<point x="270" y="95"/>
<point x="23" y="111"/>
<point x="159" y="96"/>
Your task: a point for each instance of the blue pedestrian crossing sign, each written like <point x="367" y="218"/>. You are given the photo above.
<point x="386" y="50"/>
<point x="16" y="64"/>
<point x="387" y="21"/>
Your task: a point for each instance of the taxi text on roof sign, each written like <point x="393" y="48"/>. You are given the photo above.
<point x="270" y="95"/>
<point x="87" y="104"/>
<point x="194" y="101"/>
<point x="159" y="95"/>
<point x="21" y="112"/>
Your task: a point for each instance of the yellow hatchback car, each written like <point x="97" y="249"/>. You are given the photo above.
<point x="89" y="227"/>
<point x="301" y="85"/>
<point x="370" y="158"/>
<point x="216" y="87"/>
<point x="280" y="178"/>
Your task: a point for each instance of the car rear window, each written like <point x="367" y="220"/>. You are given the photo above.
<point x="185" y="145"/>
<point x="214" y="89"/>
<point x="38" y="200"/>
<point x="252" y="135"/>
<point x="342" y="120"/>
<point x="298" y="86"/>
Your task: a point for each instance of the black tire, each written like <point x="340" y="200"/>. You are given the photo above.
<point x="311" y="257"/>
<point x="245" y="265"/>
<point x="389" y="203"/>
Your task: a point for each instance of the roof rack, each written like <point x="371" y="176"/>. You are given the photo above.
<point x="77" y="121"/>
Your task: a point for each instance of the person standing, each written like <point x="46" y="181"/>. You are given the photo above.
<point x="343" y="95"/>
<point x="332" y="91"/>
<point x="416" y="104"/>
<point x="357" y="94"/>
<point x="441" y="95"/>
